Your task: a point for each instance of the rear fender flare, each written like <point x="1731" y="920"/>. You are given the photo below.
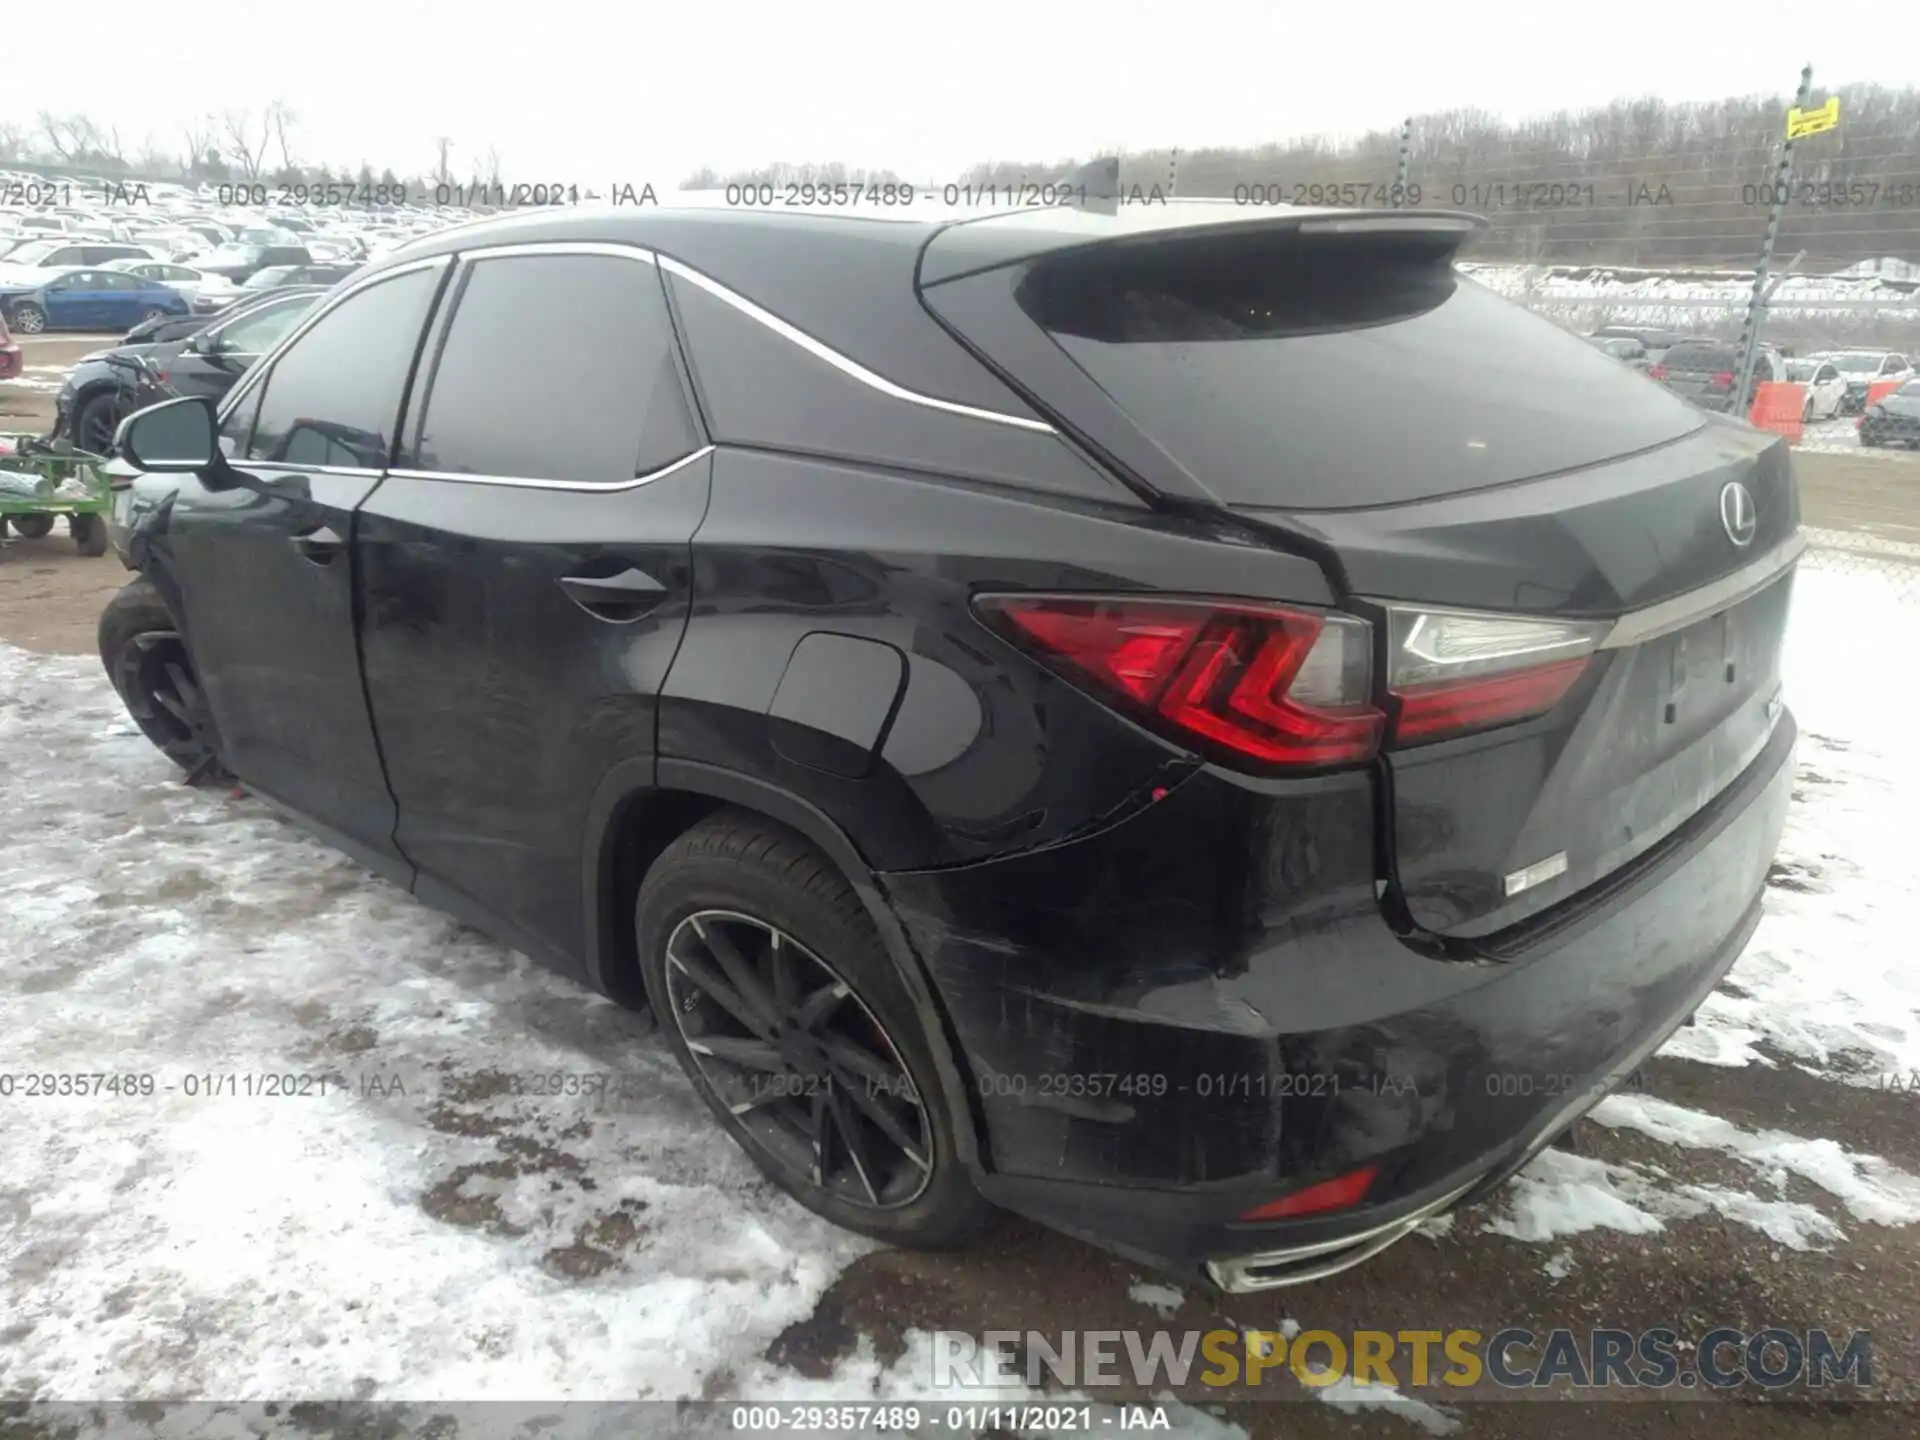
<point x="631" y="782"/>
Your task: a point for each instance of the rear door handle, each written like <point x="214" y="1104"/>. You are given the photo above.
<point x="619" y="599"/>
<point x="318" y="546"/>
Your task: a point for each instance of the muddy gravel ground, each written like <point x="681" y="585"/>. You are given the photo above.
<point x="1717" y="1262"/>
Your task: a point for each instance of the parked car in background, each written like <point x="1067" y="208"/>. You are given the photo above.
<point x="1864" y="369"/>
<point x="1655" y="341"/>
<point x="1826" y="387"/>
<point x="1623" y="348"/>
<point x="33" y="263"/>
<point x="11" y="362"/>
<point x="274" y="277"/>
<point x="1893" y="419"/>
<point x="713" y="603"/>
<point x="242" y="258"/>
<point x="1705" y="371"/>
<point x="105" y="387"/>
<point x="88" y="300"/>
<point x="184" y="279"/>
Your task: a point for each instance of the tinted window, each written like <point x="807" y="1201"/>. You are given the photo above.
<point x="337" y="389"/>
<point x="557" y="367"/>
<point x="237" y="429"/>
<point x="67" y="255"/>
<point x="115" y="280"/>
<point x="1263" y="364"/>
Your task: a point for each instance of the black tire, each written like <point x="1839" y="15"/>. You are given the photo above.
<point x="89" y="533"/>
<point x="147" y="661"/>
<point x="33" y="527"/>
<point x="27" y="318"/>
<point x="95" y="421"/>
<point x="738" y="869"/>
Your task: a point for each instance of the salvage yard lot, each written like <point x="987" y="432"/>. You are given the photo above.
<point x="430" y="1222"/>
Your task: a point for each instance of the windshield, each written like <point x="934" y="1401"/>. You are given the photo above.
<point x="268" y="278"/>
<point x="247" y="254"/>
<point x="1859" y="364"/>
<point x="32" y="251"/>
<point x="1801" y="369"/>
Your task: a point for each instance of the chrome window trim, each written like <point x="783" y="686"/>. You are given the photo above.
<point x="284" y="467"/>
<point x="596" y="487"/>
<point x="326" y="307"/>
<point x="851" y="368"/>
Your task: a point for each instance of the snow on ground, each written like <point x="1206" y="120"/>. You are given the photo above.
<point x="430" y="1228"/>
<point x="38" y="377"/>
<point x="1689" y="300"/>
<point x="1829" y="979"/>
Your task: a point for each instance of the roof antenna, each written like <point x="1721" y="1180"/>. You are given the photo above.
<point x="1100" y="182"/>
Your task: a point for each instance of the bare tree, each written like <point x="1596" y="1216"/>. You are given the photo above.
<point x="443" y="145"/>
<point x="249" y="142"/>
<point x="280" y="119"/>
<point x="493" y="181"/>
<point x="198" y="136"/>
<point x="13" y="141"/>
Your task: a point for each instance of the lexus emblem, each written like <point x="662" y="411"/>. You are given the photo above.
<point x="1737" y="513"/>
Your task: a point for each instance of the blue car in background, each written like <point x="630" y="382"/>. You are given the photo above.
<point x="88" y="300"/>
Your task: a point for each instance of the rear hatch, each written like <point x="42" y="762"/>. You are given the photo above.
<point x="1578" y="584"/>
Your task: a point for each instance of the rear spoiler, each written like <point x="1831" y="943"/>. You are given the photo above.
<point x="1098" y="210"/>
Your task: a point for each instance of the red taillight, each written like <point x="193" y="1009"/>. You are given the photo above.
<point x="1267" y="683"/>
<point x="1658" y="372"/>
<point x="1460" y="706"/>
<point x="1455" y="672"/>
<point x="1720" y="380"/>
<point x="1340" y="1193"/>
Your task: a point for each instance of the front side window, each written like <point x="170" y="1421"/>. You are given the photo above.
<point x="556" y="367"/>
<point x="336" y="390"/>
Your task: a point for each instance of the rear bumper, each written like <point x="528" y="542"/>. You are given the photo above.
<point x="1200" y="1009"/>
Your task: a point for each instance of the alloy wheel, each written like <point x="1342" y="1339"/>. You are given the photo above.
<point x="28" y="320"/>
<point x="156" y="680"/>
<point x="804" y="1066"/>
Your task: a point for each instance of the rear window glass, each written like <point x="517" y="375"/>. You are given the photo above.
<point x="1331" y="372"/>
<point x="1703" y="357"/>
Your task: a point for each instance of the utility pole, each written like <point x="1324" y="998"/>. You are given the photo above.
<point x="1762" y="292"/>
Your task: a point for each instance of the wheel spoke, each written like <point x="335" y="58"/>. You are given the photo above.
<point x="871" y="1106"/>
<point x="183" y="685"/>
<point x="818" y="1005"/>
<point x="848" y="1125"/>
<point x="738" y="971"/>
<point x="822" y="1134"/>
<point x="722" y="994"/>
<point x="174" y="706"/>
<point x="748" y="1054"/>
<point x="785" y="987"/>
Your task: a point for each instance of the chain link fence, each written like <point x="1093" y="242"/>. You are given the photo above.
<point x="1893" y="562"/>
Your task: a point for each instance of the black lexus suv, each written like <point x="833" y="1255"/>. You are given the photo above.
<point x="1005" y="693"/>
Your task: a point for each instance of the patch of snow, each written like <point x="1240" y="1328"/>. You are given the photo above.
<point x="1870" y="1188"/>
<point x="418" y="1226"/>
<point x="1351" y="1396"/>
<point x="1559" y="1265"/>
<point x="1166" y="1299"/>
<point x="1560" y="1194"/>
<point x="1828" y="979"/>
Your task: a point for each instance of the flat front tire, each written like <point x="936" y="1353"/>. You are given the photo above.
<point x="784" y="1008"/>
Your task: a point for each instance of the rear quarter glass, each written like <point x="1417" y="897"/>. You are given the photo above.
<point x="1311" y="372"/>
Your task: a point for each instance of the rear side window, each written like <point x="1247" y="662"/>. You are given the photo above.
<point x="1317" y="372"/>
<point x="332" y="396"/>
<point x="556" y="367"/>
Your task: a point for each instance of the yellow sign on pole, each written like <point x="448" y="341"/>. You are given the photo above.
<point x="1802" y="123"/>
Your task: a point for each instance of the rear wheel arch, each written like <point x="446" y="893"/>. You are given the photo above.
<point x="637" y="813"/>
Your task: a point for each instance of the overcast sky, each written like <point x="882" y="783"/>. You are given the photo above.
<point x="594" y="91"/>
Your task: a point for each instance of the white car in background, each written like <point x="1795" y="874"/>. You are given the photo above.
<point x="182" y="278"/>
<point x="1826" y="387"/>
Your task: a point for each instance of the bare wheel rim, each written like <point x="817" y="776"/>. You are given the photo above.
<point x="99" y="422"/>
<point x="805" y="1067"/>
<point x="156" y="680"/>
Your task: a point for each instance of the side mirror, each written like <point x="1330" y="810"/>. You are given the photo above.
<point x="175" y="437"/>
